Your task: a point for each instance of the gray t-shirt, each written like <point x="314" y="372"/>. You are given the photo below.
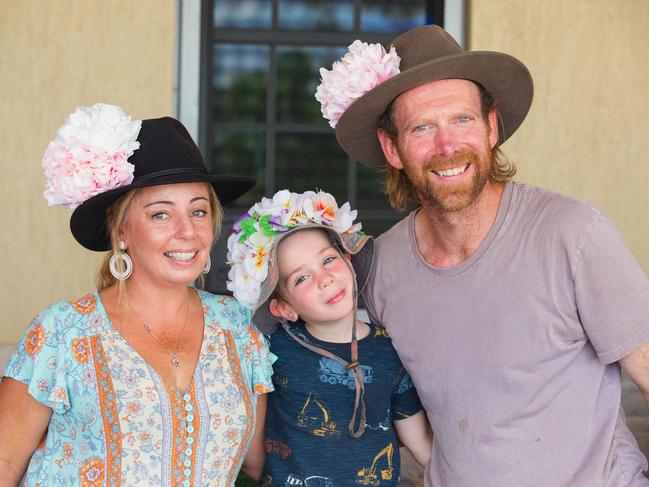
<point x="513" y="352"/>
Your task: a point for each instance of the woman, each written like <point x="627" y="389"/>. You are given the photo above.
<point x="147" y="381"/>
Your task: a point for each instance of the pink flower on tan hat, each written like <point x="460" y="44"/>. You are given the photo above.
<point x="90" y="155"/>
<point x="361" y="69"/>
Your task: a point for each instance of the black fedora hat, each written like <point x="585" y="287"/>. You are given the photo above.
<point x="429" y="53"/>
<point x="167" y="155"/>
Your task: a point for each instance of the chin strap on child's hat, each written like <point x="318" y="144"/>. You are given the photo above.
<point x="354" y="366"/>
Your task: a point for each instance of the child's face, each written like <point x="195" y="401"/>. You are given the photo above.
<point x="315" y="281"/>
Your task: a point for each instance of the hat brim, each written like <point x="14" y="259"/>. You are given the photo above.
<point x="88" y="221"/>
<point x="359" y="247"/>
<point x="507" y="80"/>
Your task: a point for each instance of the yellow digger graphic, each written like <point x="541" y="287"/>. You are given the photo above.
<point x="367" y="476"/>
<point x="317" y="426"/>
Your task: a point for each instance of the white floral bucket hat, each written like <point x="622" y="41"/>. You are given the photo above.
<point x="252" y="247"/>
<point x="252" y="255"/>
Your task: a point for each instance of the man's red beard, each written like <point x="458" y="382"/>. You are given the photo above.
<point x="449" y="197"/>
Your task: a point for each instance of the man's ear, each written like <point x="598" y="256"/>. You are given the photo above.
<point x="389" y="147"/>
<point x="492" y="121"/>
<point x="281" y="309"/>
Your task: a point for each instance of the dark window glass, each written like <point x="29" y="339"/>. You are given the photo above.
<point x="369" y="188"/>
<point x="297" y="79"/>
<point x="325" y="15"/>
<point x="391" y="16"/>
<point x="242" y="13"/>
<point x="377" y="227"/>
<point x="259" y="114"/>
<point x="311" y="162"/>
<point x="239" y="83"/>
<point x="241" y="153"/>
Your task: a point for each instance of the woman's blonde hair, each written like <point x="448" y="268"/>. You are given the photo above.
<point x="115" y="220"/>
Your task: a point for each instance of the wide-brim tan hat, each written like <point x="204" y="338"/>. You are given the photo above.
<point x="428" y="54"/>
<point x="359" y="247"/>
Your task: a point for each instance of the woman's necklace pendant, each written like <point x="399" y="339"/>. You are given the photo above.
<point x="174" y="360"/>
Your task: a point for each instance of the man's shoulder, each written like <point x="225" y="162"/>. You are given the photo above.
<point x="542" y="205"/>
<point x="550" y="197"/>
<point x="396" y="235"/>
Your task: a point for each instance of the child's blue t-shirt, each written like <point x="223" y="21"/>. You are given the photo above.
<point x="307" y="438"/>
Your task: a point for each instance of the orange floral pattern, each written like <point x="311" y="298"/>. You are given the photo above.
<point x="235" y="365"/>
<point x="256" y="342"/>
<point x="81" y="349"/>
<point x="85" y="305"/>
<point x="34" y="340"/>
<point x="92" y="473"/>
<point x="109" y="413"/>
<point x="68" y="452"/>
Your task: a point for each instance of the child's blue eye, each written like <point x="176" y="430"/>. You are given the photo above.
<point x="300" y="280"/>
<point x="329" y="260"/>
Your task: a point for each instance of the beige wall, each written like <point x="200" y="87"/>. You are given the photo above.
<point x="56" y="55"/>
<point x="587" y="131"/>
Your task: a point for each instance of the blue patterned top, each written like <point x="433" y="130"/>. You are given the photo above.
<point x="116" y="422"/>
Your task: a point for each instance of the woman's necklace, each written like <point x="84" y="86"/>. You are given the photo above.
<point x="175" y="361"/>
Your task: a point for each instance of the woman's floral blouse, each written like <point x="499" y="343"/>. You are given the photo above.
<point x="115" y="421"/>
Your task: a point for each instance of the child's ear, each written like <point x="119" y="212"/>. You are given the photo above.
<point x="281" y="309"/>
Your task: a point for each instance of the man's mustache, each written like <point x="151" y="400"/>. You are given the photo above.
<point x="439" y="163"/>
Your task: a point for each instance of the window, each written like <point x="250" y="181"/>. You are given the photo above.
<point x="255" y="107"/>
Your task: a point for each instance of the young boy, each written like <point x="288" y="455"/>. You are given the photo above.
<point x="339" y="385"/>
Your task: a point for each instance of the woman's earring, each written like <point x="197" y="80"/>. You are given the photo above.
<point x="126" y="260"/>
<point x="208" y="265"/>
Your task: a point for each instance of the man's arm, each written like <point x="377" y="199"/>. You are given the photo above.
<point x="253" y="463"/>
<point x="23" y="423"/>
<point x="415" y="433"/>
<point x="636" y="365"/>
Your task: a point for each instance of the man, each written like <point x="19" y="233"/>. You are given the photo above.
<point x="510" y="306"/>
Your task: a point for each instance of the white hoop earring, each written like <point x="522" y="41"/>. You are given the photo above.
<point x="126" y="260"/>
<point x="208" y="265"/>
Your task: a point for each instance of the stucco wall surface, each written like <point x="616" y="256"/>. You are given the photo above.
<point x="586" y="134"/>
<point x="55" y="56"/>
